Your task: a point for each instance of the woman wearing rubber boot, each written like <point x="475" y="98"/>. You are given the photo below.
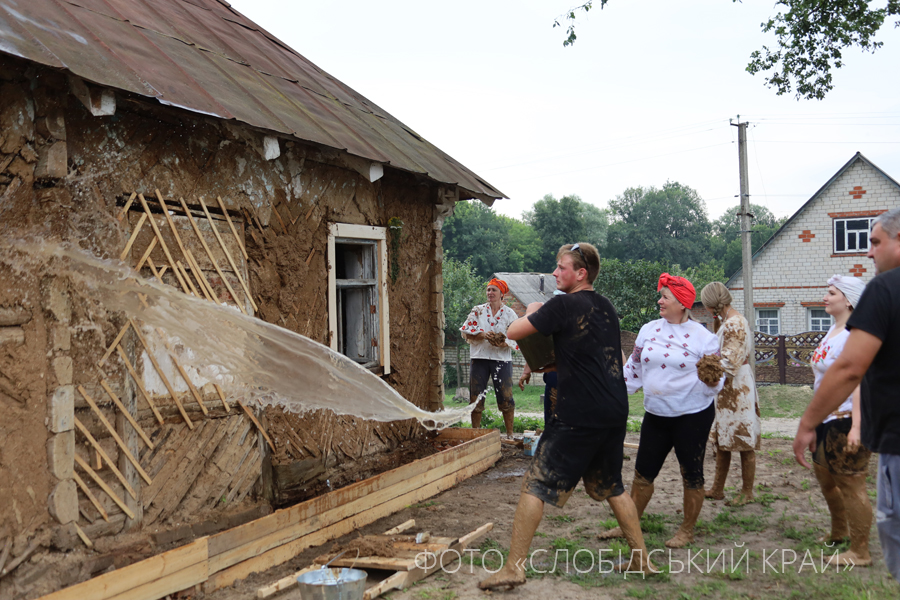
<point x="737" y="427"/>
<point x="840" y="461"/>
<point x="491" y="353"/>
<point x="679" y="407"/>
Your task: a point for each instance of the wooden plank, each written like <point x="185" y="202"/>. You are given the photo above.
<point x="233" y="230"/>
<point x="162" y="242"/>
<point x="125" y="208"/>
<point x="394" y="582"/>
<point x="103" y="486"/>
<point x="222" y="396"/>
<point x="293" y="530"/>
<point x="84" y="538"/>
<point x="109" y="461"/>
<point x="258" y="426"/>
<point x="285" y="552"/>
<point x="112" y="431"/>
<point x="119" y="583"/>
<point x="134" y="234"/>
<point x="187" y="380"/>
<point x="165" y="586"/>
<point x="114" y="345"/>
<point x="146" y="255"/>
<point x="161" y="374"/>
<point x="187" y="451"/>
<point x="205" y="285"/>
<point x="90" y="496"/>
<point x="139" y="384"/>
<point x="377" y="562"/>
<point x="210" y="254"/>
<point x="237" y="271"/>
<point x="282" y="518"/>
<point x="401" y="527"/>
<point x="460" y="433"/>
<point x="126" y="414"/>
<point x="187" y="278"/>
<point x="284" y="583"/>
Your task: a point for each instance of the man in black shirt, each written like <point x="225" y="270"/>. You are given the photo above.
<point x="584" y="437"/>
<point x="872" y="356"/>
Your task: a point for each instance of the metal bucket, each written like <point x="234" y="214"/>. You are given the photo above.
<point x="332" y="584"/>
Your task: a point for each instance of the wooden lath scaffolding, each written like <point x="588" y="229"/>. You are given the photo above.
<point x="143" y="453"/>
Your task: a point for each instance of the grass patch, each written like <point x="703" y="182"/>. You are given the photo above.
<point x="561" y="518"/>
<point x="729" y="522"/>
<point x="424" y="504"/>
<point x="783" y="401"/>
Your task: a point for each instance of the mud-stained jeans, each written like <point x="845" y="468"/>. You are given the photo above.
<point x="888" y="515"/>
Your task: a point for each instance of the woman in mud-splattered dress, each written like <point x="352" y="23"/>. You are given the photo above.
<point x="737" y="426"/>
<point x="840" y="461"/>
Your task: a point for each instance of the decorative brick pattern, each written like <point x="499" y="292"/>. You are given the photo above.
<point x="819" y="304"/>
<point x="807" y="235"/>
<point x="793" y="273"/>
<point x="857" y="192"/>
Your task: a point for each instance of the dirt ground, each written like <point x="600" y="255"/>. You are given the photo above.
<point x="788" y="516"/>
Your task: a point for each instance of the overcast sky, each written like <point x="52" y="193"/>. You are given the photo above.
<point x="643" y="97"/>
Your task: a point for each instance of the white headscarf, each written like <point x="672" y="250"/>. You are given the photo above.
<point x="851" y="287"/>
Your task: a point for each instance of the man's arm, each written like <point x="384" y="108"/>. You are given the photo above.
<point x="839" y="382"/>
<point x="520" y="328"/>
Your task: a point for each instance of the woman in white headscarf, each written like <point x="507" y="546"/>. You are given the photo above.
<point x="737" y="426"/>
<point x="841" y="462"/>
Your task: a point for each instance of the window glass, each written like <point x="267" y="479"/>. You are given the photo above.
<point x="819" y="320"/>
<point x="767" y="320"/>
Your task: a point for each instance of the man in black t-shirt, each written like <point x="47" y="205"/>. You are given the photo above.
<point x="871" y="356"/>
<point x="585" y="435"/>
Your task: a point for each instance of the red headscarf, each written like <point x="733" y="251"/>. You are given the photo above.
<point x="501" y="285"/>
<point x="681" y="288"/>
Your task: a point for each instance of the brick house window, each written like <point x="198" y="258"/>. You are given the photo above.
<point x="819" y="320"/>
<point x="852" y="235"/>
<point x="357" y="295"/>
<point x="767" y="320"/>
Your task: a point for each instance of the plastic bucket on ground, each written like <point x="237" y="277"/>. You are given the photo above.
<point x="332" y="584"/>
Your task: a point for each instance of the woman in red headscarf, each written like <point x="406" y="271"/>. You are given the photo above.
<point x="679" y="407"/>
<point x="491" y="353"/>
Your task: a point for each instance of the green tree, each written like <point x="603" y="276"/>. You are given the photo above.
<point x="567" y="220"/>
<point x="631" y="287"/>
<point x="492" y="242"/>
<point x="463" y="289"/>
<point x="811" y="37"/>
<point x="726" y="245"/>
<point x="660" y="224"/>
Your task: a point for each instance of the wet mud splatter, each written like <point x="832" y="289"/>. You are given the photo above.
<point x="709" y="369"/>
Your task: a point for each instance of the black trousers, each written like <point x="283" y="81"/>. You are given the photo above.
<point x="687" y="434"/>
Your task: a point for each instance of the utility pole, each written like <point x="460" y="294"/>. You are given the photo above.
<point x="746" y="247"/>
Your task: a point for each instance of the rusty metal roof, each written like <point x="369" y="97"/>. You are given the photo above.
<point x="205" y="57"/>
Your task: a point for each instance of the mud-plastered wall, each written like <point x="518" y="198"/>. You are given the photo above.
<point x="65" y="174"/>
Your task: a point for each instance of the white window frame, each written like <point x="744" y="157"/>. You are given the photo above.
<point x="378" y="235"/>
<point x="810" y="317"/>
<point x="857" y="236"/>
<point x="768" y="324"/>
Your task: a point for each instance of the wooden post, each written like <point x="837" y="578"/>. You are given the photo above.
<point x="130" y="436"/>
<point x="782" y="360"/>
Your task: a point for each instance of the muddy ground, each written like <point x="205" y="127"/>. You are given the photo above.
<point x="788" y="516"/>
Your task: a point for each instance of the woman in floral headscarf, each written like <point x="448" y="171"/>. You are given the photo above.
<point x="679" y="407"/>
<point x="491" y="353"/>
<point x="840" y="461"/>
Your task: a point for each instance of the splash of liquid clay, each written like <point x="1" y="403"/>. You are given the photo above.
<point x="250" y="358"/>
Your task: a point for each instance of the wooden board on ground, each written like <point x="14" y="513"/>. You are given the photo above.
<point x="220" y="560"/>
<point x="408" y="570"/>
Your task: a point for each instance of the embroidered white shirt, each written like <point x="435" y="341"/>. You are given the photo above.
<point x="824" y="356"/>
<point x="664" y="363"/>
<point x="482" y="320"/>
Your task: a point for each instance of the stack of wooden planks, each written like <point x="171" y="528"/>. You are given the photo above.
<point x="218" y="561"/>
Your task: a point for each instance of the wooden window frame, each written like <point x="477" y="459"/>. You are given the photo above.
<point x="809" y="317"/>
<point x="845" y="220"/>
<point x="378" y="235"/>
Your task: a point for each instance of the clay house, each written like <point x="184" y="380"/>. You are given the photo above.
<point x="827" y="235"/>
<point x="185" y="140"/>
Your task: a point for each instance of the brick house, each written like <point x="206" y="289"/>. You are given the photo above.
<point x="828" y="235"/>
